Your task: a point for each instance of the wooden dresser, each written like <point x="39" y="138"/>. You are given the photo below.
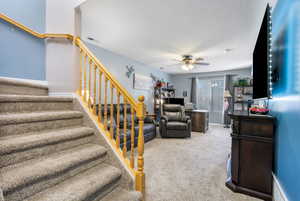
<point x="252" y="155"/>
<point x="200" y="120"/>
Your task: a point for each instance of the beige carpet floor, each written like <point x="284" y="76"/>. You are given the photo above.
<point x="192" y="169"/>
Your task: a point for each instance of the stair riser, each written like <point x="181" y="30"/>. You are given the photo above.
<point x="22" y="107"/>
<point x="99" y="195"/>
<point x="30" y="189"/>
<point x="16" y="157"/>
<point x="22" y="90"/>
<point x="14" y="129"/>
<point x="121" y="194"/>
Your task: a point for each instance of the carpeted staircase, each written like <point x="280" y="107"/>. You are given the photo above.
<point x="47" y="154"/>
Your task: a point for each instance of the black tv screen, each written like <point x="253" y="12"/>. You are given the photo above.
<point x="261" y="59"/>
<point x="278" y="59"/>
<point x="178" y="101"/>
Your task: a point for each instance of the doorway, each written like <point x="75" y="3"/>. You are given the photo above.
<point x="211" y="92"/>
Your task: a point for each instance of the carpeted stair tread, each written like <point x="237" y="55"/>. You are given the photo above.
<point x="47" y="152"/>
<point x="16" y="118"/>
<point x="32" y="171"/>
<point x="17" y="143"/>
<point x="120" y="194"/>
<point x="23" y="87"/>
<point x="31" y="98"/>
<point x="84" y="186"/>
<point x="18" y="82"/>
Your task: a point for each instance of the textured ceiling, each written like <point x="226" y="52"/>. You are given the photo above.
<point x="156" y="32"/>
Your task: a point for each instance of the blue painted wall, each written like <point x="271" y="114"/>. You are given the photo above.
<point x="286" y="102"/>
<point x="21" y="55"/>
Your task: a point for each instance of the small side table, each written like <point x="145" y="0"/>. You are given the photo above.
<point x="153" y="116"/>
<point x="200" y="120"/>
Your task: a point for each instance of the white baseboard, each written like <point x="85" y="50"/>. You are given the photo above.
<point x="216" y="124"/>
<point x="278" y="192"/>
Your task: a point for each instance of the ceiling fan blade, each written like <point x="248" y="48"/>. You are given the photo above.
<point x="177" y="60"/>
<point x="199" y="59"/>
<point x="170" y="65"/>
<point x="202" y="63"/>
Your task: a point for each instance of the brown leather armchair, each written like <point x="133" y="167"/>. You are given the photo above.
<point x="173" y="122"/>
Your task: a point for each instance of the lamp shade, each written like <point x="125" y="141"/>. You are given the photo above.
<point x="227" y="94"/>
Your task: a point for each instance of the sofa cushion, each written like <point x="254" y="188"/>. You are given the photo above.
<point x="147" y="128"/>
<point x="177" y="125"/>
<point x="128" y="134"/>
<point x="147" y="136"/>
<point x="122" y="116"/>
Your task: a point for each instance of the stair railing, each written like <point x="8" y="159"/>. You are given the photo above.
<point x="103" y="94"/>
<point x="98" y="88"/>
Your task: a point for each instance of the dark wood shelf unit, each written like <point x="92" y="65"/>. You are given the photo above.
<point x="160" y="93"/>
<point x="168" y="89"/>
<point x="241" y="96"/>
<point x="252" y="155"/>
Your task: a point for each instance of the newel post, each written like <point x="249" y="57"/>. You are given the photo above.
<point x="140" y="175"/>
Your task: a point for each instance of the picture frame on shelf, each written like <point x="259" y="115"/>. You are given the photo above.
<point x="248" y="91"/>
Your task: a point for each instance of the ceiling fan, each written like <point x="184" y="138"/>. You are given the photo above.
<point x="189" y="63"/>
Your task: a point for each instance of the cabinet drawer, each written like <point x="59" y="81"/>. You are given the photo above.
<point x="257" y="128"/>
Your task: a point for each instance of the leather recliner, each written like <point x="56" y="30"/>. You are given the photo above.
<point x="173" y="122"/>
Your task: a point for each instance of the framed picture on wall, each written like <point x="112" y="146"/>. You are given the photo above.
<point x="142" y="82"/>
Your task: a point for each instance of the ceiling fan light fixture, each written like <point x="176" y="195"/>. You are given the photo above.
<point x="187" y="67"/>
<point x="188" y="63"/>
<point x="190" y="66"/>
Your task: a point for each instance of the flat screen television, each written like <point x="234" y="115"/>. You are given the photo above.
<point x="178" y="101"/>
<point x="278" y="59"/>
<point x="261" y="59"/>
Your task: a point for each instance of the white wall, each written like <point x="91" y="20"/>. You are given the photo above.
<point x="116" y="65"/>
<point x="62" y="72"/>
<point x="182" y="83"/>
<point x="62" y="64"/>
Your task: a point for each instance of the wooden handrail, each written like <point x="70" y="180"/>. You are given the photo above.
<point x="78" y="43"/>
<point x="137" y="108"/>
<point x="88" y="61"/>
<point x="124" y="92"/>
<point x="110" y="84"/>
<point x="34" y="33"/>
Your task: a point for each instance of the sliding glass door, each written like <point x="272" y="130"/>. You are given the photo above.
<point x="217" y="93"/>
<point x="204" y="95"/>
<point x="211" y="98"/>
